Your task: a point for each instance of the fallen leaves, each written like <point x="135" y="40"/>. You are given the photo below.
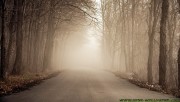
<point x="153" y="87"/>
<point x="15" y="84"/>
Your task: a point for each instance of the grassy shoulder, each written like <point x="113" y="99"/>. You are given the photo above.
<point x="142" y="84"/>
<point x="14" y="84"/>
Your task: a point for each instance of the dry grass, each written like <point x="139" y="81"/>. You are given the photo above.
<point x="15" y="84"/>
<point x="153" y="87"/>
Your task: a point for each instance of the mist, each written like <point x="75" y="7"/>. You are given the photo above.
<point x="81" y="49"/>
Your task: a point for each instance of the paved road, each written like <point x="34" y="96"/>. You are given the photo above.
<point x="87" y="85"/>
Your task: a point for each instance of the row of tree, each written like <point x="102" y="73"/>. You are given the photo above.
<point x="142" y="37"/>
<point x="28" y="31"/>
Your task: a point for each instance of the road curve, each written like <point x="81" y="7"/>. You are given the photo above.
<point x="84" y="85"/>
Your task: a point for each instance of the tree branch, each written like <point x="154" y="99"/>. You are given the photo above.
<point x="82" y="11"/>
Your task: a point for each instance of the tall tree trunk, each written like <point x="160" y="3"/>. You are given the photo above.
<point x="163" y="46"/>
<point x="123" y="37"/>
<point x="153" y="20"/>
<point x="36" y="46"/>
<point x="50" y="37"/>
<point x="151" y="45"/>
<point x="19" y="37"/>
<point x="37" y="42"/>
<point x="3" y="39"/>
<point x="133" y="23"/>
<point x="11" y="35"/>
<point x="151" y="51"/>
<point x="179" y="68"/>
<point x="179" y="56"/>
<point x="150" y="59"/>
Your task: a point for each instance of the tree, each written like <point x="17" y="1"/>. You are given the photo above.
<point x="50" y="36"/>
<point x="3" y="39"/>
<point x="12" y="35"/>
<point x="153" y="21"/>
<point x="179" y="67"/>
<point x="19" y="38"/>
<point x="179" y="56"/>
<point x="163" y="44"/>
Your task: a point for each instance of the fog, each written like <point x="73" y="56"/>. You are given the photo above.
<point x="82" y="49"/>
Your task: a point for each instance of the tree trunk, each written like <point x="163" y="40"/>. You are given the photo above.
<point x="19" y="37"/>
<point x="151" y="45"/>
<point x="179" y="56"/>
<point x="133" y="23"/>
<point x="11" y="35"/>
<point x="3" y="39"/>
<point x="153" y="20"/>
<point x="50" y="37"/>
<point x="151" y="51"/>
<point x="179" y="68"/>
<point x="150" y="59"/>
<point x="163" y="46"/>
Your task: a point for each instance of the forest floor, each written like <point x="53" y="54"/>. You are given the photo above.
<point x="14" y="84"/>
<point x="153" y="87"/>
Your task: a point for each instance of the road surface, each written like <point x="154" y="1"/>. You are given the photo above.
<point x="83" y="85"/>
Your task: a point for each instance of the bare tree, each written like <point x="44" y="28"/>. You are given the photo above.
<point x="131" y="31"/>
<point x="163" y="44"/>
<point x="3" y="39"/>
<point x="179" y="55"/>
<point x="12" y="35"/>
<point x="50" y="36"/>
<point x="19" y="38"/>
<point x="153" y="21"/>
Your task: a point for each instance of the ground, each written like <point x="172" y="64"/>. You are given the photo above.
<point x="84" y="85"/>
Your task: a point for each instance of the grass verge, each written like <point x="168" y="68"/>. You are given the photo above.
<point x="153" y="87"/>
<point x="14" y="84"/>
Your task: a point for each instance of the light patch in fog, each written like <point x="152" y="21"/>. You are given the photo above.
<point x="92" y="41"/>
<point x="83" y="50"/>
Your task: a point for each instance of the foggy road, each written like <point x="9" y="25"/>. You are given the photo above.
<point x="83" y="85"/>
